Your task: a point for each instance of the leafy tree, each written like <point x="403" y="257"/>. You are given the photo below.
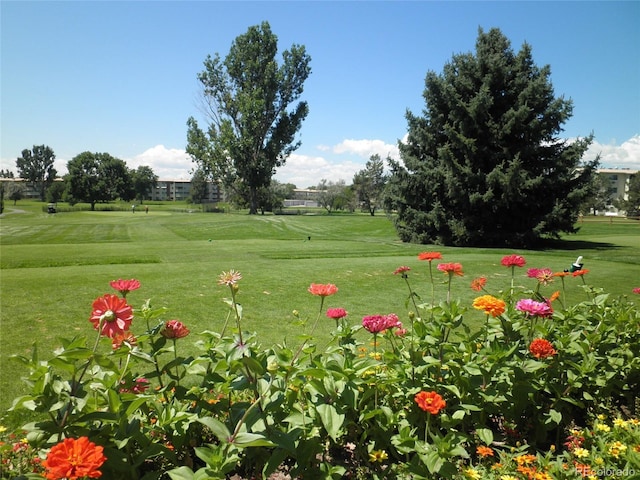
<point x="632" y="203"/>
<point x="484" y="165"/>
<point x="600" y="198"/>
<point x="6" y="174"/>
<point x="143" y="182"/>
<point x="272" y="198"/>
<point x="332" y="195"/>
<point x="56" y="191"/>
<point x="251" y="130"/>
<point x="36" y="167"/>
<point x="15" y="191"/>
<point x="369" y="184"/>
<point x="2" y="191"/>
<point x="97" y="177"/>
<point x="199" y="186"/>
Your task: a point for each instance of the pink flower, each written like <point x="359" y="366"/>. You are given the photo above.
<point x="543" y="275"/>
<point x="336" y="313"/>
<point x="402" y="271"/>
<point x="533" y="308"/>
<point x="636" y="290"/>
<point x="513" y="261"/>
<point x="379" y="323"/>
<point x="125" y="286"/>
<point x="174" y="329"/>
<point x="322" y="290"/>
<point x="140" y="385"/>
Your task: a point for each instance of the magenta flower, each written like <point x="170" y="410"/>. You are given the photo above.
<point x="533" y="308"/>
<point x="379" y="323"/>
<point x="543" y="275"/>
<point x="336" y="313"/>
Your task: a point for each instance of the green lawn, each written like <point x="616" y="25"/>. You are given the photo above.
<point x="53" y="266"/>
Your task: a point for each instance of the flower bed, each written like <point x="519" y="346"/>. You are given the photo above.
<point x="544" y="390"/>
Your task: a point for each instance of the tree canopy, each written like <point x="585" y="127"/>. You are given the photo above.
<point x="97" y="177"/>
<point x="36" y="167"/>
<point x="484" y="164"/>
<point x="251" y="127"/>
<point x="369" y="184"/>
<point x="143" y="182"/>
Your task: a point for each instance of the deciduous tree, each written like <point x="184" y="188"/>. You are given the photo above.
<point x="369" y="184"/>
<point x="251" y="129"/>
<point x="484" y="165"/>
<point x="143" y="182"/>
<point x="36" y="167"/>
<point x="97" y="177"/>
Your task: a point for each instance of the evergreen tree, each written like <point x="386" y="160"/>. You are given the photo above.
<point x="484" y="165"/>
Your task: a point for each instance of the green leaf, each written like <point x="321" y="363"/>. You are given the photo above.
<point x="553" y="417"/>
<point x="218" y="428"/>
<point x="245" y="439"/>
<point x="181" y="473"/>
<point x="485" y="435"/>
<point x="331" y="419"/>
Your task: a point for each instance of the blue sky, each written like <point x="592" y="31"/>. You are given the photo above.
<point x="121" y="77"/>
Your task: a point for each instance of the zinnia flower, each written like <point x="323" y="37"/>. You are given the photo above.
<point x="336" y="313"/>
<point x="579" y="273"/>
<point x="125" y="286"/>
<point x="484" y="451"/>
<point x="533" y="308"/>
<point x="174" y="329"/>
<point x="513" y="261"/>
<point x="379" y="323"/>
<point x="478" y="284"/>
<point x="451" y="268"/>
<point x="636" y="290"/>
<point x="490" y="305"/>
<point x="430" y="402"/>
<point x="402" y="271"/>
<point x="543" y="275"/>
<point x="112" y="313"/>
<point x="140" y="385"/>
<point x="229" y="278"/>
<point x="542" y="348"/>
<point x="378" y="456"/>
<point x="322" y="290"/>
<point x="74" y="459"/>
<point x="123" y="337"/>
<point x="429" y="256"/>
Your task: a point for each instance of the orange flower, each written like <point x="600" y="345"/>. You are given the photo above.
<point x="484" y="451"/>
<point x="490" y="305"/>
<point x="561" y="274"/>
<point x="554" y="296"/>
<point x="429" y="256"/>
<point x="430" y="402"/>
<point x="174" y="329"/>
<point x="322" y="290"/>
<point x="73" y="459"/>
<point x="451" y="268"/>
<point x="478" y="284"/>
<point x="579" y="273"/>
<point x="542" y="348"/>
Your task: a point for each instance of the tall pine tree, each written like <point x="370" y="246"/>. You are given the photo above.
<point x="484" y="164"/>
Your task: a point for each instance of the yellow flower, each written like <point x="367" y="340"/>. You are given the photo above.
<point x="601" y="417"/>
<point x="378" y="456"/>
<point x="508" y="477"/>
<point x="3" y="429"/>
<point x="619" y="422"/>
<point x="599" y="461"/>
<point x="616" y="449"/>
<point x="581" y="452"/>
<point x="603" y="427"/>
<point x="472" y="473"/>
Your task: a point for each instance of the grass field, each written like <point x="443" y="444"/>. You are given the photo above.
<point x="53" y="266"/>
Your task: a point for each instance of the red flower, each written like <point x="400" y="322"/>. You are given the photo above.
<point x="322" y="290"/>
<point x="430" y="402"/>
<point x="542" y="348"/>
<point x="636" y="290"/>
<point x="451" y="268"/>
<point x="380" y="323"/>
<point x="174" y="329"/>
<point x="125" y="286"/>
<point x="336" y="313"/>
<point x="113" y="313"/>
<point x="478" y="284"/>
<point x="579" y="273"/>
<point x="429" y="256"/>
<point x="74" y="459"/>
<point x="401" y="271"/>
<point x="513" y="261"/>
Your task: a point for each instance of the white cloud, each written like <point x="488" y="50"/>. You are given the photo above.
<point x="166" y="163"/>
<point x="365" y="148"/>
<point x="305" y="170"/>
<point x="626" y="155"/>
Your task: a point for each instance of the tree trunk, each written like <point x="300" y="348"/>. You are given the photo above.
<point x="253" y="201"/>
